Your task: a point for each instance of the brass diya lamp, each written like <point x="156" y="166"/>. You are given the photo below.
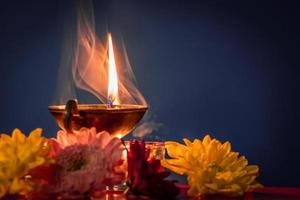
<point x="113" y="117"/>
<point x="117" y="120"/>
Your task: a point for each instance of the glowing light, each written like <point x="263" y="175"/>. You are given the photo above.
<point x="113" y="90"/>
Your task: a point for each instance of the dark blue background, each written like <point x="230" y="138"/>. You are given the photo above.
<point x="229" y="68"/>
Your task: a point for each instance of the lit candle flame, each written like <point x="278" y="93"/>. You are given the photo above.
<point x="113" y="90"/>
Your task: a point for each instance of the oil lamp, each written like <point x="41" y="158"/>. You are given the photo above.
<point x="116" y="118"/>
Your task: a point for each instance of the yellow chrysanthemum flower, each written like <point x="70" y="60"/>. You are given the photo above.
<point x="211" y="167"/>
<point x="18" y="155"/>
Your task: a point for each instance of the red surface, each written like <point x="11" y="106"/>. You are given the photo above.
<point x="266" y="193"/>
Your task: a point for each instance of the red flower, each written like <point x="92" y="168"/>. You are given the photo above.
<point x="46" y="177"/>
<point x="145" y="177"/>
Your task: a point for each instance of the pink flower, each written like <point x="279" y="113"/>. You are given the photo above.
<point x="84" y="136"/>
<point x="85" y="168"/>
<point x="86" y="161"/>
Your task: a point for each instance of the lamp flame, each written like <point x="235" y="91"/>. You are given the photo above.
<point x="95" y="66"/>
<point x="113" y="89"/>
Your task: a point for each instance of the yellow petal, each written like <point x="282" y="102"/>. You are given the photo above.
<point x="241" y="163"/>
<point x="212" y="186"/>
<point x="15" y="186"/>
<point x="175" y="149"/>
<point x="198" y="148"/>
<point x="206" y="140"/>
<point x="226" y="176"/>
<point x="187" y="142"/>
<point x="177" y="169"/>
<point x="212" y="151"/>
<point x="227" y="146"/>
<point x="35" y="134"/>
<point x="252" y="169"/>
<point x="5" y="137"/>
<point x="2" y="190"/>
<point x="38" y="161"/>
<point x="18" y="136"/>
<point x="255" y="185"/>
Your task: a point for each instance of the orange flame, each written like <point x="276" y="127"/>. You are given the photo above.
<point x="113" y="89"/>
<point x="100" y="68"/>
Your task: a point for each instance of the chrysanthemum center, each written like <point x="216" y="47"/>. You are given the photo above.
<point x="77" y="164"/>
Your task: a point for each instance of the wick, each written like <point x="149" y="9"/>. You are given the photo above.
<point x="110" y="102"/>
